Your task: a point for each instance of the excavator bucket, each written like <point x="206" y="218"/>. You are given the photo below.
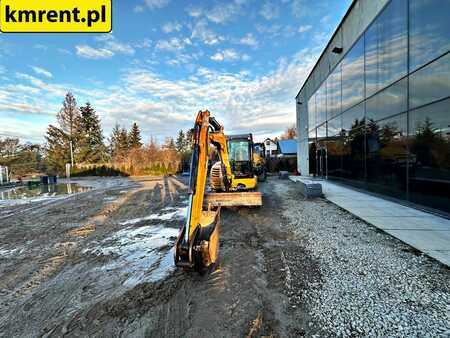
<point x="202" y="250"/>
<point x="234" y="199"/>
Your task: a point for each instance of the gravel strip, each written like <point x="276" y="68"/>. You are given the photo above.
<point x="366" y="283"/>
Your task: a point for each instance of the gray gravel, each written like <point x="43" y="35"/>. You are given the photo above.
<point x="365" y="283"/>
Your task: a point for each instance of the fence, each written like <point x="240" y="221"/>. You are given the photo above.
<point x="125" y="169"/>
<point x="275" y="164"/>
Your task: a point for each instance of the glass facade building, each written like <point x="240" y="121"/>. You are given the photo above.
<point x="381" y="119"/>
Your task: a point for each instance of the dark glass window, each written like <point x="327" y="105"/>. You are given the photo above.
<point x="353" y="118"/>
<point x="312" y="112"/>
<point x="353" y="143"/>
<point x="387" y="155"/>
<point x="430" y="83"/>
<point x="371" y="59"/>
<point x="322" y="131"/>
<point x="390" y="101"/>
<point x="321" y="104"/>
<point x="335" y="147"/>
<point x="334" y="93"/>
<point x="429" y="30"/>
<point x="312" y="158"/>
<point x="386" y="47"/>
<point x="312" y="134"/>
<point x="353" y="76"/>
<point x="334" y="126"/>
<point x="429" y="131"/>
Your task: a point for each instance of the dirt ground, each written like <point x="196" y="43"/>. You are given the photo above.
<point x="100" y="264"/>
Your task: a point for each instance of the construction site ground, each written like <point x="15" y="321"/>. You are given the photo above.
<point x="100" y="263"/>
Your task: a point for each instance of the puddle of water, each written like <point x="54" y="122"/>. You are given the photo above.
<point x="166" y="214"/>
<point x="141" y="254"/>
<point x="36" y="193"/>
<point x="5" y="253"/>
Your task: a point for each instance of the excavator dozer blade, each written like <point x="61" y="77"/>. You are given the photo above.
<point x="234" y="199"/>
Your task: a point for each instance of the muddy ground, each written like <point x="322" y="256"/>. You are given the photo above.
<point x="100" y="264"/>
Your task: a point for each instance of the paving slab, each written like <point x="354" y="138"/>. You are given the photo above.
<point x="424" y="231"/>
<point x="423" y="240"/>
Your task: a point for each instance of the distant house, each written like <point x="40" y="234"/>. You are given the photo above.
<point x="271" y="148"/>
<point x="287" y="148"/>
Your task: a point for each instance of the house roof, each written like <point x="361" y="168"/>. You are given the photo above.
<point x="288" y="146"/>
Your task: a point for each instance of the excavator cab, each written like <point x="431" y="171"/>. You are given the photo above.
<point x="240" y="155"/>
<point x="259" y="161"/>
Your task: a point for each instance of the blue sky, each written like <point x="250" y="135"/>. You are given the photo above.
<point x="244" y="60"/>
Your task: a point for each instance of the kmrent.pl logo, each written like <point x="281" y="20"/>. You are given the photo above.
<point x="55" y="16"/>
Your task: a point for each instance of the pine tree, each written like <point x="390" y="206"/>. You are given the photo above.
<point x="114" y="141"/>
<point x="60" y="139"/>
<point x="69" y="117"/>
<point x="134" y="138"/>
<point x="58" y="149"/>
<point x="122" y="141"/>
<point x="92" y="148"/>
<point x="169" y="144"/>
<point x="189" y="139"/>
<point x="181" y="142"/>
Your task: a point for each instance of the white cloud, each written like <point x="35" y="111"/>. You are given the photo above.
<point x="202" y="32"/>
<point x="169" y="27"/>
<point x="297" y="8"/>
<point x="109" y="47"/>
<point x="172" y="45"/>
<point x="229" y="55"/>
<point x="64" y="51"/>
<point x="41" y="71"/>
<point x="275" y="31"/>
<point x="93" y="53"/>
<point x="249" y="40"/>
<point x="40" y="46"/>
<point x="31" y="131"/>
<point x="118" y="47"/>
<point x="138" y="9"/>
<point x="269" y="11"/>
<point x="222" y="13"/>
<point x="243" y="102"/>
<point x="302" y="8"/>
<point x="145" y="43"/>
<point x="305" y="28"/>
<point x="194" y="12"/>
<point x="155" y="4"/>
<point x="262" y="105"/>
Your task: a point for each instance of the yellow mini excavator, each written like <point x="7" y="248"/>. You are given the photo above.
<point x="231" y="181"/>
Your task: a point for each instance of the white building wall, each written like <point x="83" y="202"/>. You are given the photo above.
<point x="272" y="146"/>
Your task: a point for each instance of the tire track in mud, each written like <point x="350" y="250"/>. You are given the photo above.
<point x="244" y="296"/>
<point x="59" y="262"/>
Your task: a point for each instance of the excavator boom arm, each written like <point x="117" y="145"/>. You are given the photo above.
<point x="197" y="245"/>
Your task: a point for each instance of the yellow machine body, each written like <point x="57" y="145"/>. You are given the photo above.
<point x="248" y="183"/>
<point x="197" y="245"/>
